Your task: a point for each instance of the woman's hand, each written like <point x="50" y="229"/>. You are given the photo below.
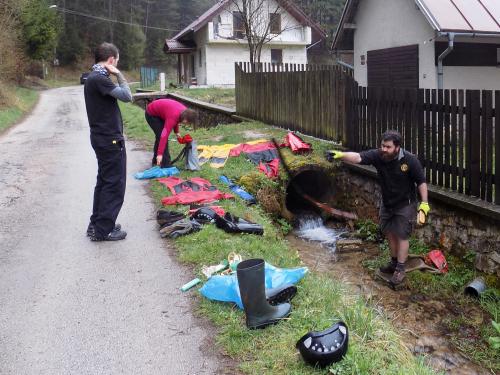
<point x="159" y="158"/>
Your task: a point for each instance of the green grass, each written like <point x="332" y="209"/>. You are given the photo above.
<point x="22" y="101"/>
<point x="375" y="347"/>
<point x="220" y="96"/>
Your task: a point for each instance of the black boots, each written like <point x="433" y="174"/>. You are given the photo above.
<point x="251" y="280"/>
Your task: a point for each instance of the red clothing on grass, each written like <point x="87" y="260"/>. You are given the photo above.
<point x="169" y="111"/>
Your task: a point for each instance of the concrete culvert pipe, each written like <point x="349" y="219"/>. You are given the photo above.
<point x="310" y="180"/>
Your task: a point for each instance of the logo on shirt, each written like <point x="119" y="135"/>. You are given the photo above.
<point x="404" y="167"/>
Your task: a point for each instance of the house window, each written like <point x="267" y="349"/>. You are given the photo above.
<point x="200" y="58"/>
<point x="277" y="56"/>
<point x="238" y="25"/>
<point x="498" y="57"/>
<point x="275" y="23"/>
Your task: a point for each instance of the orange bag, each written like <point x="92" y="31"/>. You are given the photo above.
<point x="435" y="258"/>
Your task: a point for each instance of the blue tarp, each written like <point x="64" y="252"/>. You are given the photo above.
<point x="238" y="190"/>
<point x="156" y="172"/>
<point x="226" y="288"/>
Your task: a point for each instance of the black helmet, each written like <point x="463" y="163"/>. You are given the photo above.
<point x="324" y="348"/>
<point x="204" y="215"/>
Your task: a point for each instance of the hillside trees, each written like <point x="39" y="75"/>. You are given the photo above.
<point x="11" y="52"/>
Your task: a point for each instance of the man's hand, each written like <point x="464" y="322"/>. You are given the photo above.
<point x="112" y="69"/>
<point x="159" y="158"/>
<point x="424" y="206"/>
<point x="334" y="154"/>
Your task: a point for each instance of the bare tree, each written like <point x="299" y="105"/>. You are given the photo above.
<point x="258" y="22"/>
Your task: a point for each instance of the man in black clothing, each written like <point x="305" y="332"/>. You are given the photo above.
<point x="400" y="175"/>
<point x="106" y="137"/>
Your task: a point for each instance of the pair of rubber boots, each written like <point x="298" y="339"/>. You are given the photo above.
<point x="261" y="310"/>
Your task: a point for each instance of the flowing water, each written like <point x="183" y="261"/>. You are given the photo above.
<point x="312" y="228"/>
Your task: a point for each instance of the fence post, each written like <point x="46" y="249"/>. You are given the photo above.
<point x="473" y="127"/>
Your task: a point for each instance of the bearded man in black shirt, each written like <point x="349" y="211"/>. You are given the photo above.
<point x="106" y="137"/>
<point x="400" y="176"/>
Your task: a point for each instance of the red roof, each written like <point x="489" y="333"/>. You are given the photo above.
<point x="288" y="5"/>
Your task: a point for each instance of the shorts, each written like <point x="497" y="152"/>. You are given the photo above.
<point x="398" y="221"/>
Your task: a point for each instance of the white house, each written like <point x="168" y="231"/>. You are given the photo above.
<point x="208" y="48"/>
<point x="422" y="43"/>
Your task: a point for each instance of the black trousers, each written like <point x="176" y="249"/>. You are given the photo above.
<point x="156" y="124"/>
<point x="109" y="191"/>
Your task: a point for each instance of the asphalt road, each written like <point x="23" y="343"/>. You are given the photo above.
<point x="72" y="306"/>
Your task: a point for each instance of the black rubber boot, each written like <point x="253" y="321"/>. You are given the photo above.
<point x="277" y="296"/>
<point x="251" y="280"/>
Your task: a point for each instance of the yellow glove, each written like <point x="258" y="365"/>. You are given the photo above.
<point x="424" y="206"/>
<point x="334" y="154"/>
<point x="423" y="211"/>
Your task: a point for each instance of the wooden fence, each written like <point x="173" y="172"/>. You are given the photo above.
<point x="307" y="98"/>
<point x="453" y="132"/>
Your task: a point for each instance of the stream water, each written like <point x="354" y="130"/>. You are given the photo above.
<point x="418" y="317"/>
<point x="312" y="228"/>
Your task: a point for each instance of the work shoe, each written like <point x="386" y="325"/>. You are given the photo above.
<point x="115" y="235"/>
<point x="91" y="229"/>
<point x="277" y="296"/>
<point x="397" y="277"/>
<point x="389" y="267"/>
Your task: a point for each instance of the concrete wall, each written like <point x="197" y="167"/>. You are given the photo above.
<point x="395" y="23"/>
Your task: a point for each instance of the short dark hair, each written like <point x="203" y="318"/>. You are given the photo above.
<point x="105" y="51"/>
<point x="392" y="135"/>
<point x="190" y="115"/>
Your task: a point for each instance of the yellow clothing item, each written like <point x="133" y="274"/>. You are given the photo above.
<point x="218" y="154"/>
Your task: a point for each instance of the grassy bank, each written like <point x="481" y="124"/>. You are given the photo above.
<point x="220" y="96"/>
<point x="14" y="104"/>
<point x="375" y="347"/>
<point x="468" y="335"/>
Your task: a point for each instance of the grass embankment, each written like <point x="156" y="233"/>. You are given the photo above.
<point x="223" y="97"/>
<point x="15" y="102"/>
<point x="375" y="347"/>
<point x="468" y="335"/>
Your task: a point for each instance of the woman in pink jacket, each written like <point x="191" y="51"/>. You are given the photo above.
<point x="163" y="116"/>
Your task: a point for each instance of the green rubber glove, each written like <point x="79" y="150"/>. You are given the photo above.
<point x="424" y="207"/>
<point x="334" y="154"/>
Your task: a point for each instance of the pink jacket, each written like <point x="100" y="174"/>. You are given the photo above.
<point x="169" y="111"/>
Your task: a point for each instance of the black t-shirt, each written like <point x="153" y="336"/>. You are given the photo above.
<point x="104" y="115"/>
<point x="398" y="177"/>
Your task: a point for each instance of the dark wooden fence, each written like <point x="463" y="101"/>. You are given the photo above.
<point x="455" y="133"/>
<point x="311" y="99"/>
<point x="451" y="131"/>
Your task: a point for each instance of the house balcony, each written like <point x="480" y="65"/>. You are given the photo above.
<point x="223" y="33"/>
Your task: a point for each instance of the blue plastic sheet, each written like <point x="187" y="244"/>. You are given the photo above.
<point x="226" y="289"/>
<point x="156" y="172"/>
<point x="238" y="190"/>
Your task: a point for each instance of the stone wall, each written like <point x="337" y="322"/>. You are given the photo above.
<point x="449" y="227"/>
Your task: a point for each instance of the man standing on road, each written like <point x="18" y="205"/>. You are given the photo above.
<point x="399" y="174"/>
<point x="106" y="137"/>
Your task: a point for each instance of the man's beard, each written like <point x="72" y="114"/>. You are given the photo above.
<point x="389" y="156"/>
